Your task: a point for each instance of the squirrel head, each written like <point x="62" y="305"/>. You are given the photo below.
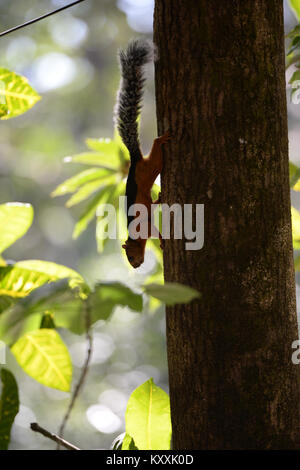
<point x="135" y="252"/>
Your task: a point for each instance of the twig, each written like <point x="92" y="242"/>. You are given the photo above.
<point x="84" y="371"/>
<point x="35" y="20"/>
<point x="36" y="428"/>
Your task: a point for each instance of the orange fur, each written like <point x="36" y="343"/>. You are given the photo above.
<point x="147" y="170"/>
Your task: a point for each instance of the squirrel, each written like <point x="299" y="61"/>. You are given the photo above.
<point x="143" y="171"/>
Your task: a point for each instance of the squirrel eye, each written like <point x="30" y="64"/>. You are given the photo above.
<point x="130" y="258"/>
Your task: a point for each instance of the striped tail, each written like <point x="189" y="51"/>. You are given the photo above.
<point x="128" y="107"/>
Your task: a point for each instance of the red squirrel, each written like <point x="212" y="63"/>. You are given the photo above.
<point x="143" y="171"/>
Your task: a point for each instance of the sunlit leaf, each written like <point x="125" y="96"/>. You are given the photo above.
<point x="295" y="227"/>
<point x="23" y="277"/>
<point x="294" y="176"/>
<point x="89" y="188"/>
<point x="102" y="197"/>
<point x="43" y="355"/>
<point x="172" y="293"/>
<point x="53" y="270"/>
<point x="107" y="148"/>
<point x="18" y="282"/>
<point x="128" y="443"/>
<point x="3" y="110"/>
<point x="295" y="76"/>
<point x="295" y="6"/>
<point x="15" y="220"/>
<point x="148" y="419"/>
<point x="72" y="184"/>
<point x="9" y="406"/>
<point x="93" y="158"/>
<point x="16" y="94"/>
<point x="119" y="222"/>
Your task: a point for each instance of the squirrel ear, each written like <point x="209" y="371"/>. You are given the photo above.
<point x="124" y="246"/>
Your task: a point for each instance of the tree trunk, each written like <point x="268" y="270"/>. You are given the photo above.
<point x="220" y="86"/>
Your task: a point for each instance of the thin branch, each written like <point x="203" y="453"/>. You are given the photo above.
<point x="36" y="428"/>
<point x="35" y="20"/>
<point x="84" y="371"/>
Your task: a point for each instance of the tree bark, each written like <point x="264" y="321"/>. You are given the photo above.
<point x="220" y="87"/>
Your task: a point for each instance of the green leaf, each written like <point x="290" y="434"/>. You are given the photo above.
<point x="17" y="282"/>
<point x="16" y="93"/>
<point x="108" y="295"/>
<point x="67" y="309"/>
<point x="72" y="184"/>
<point x="63" y="303"/>
<point x="48" y="321"/>
<point x="148" y="419"/>
<point x="294" y="45"/>
<point x="295" y="6"/>
<point x="3" y="110"/>
<point x="94" y="158"/>
<point x="15" y="220"/>
<point x="53" y="270"/>
<point x="294" y="176"/>
<point x="128" y="443"/>
<point x="102" y="197"/>
<point x="101" y="221"/>
<point x="294" y="32"/>
<point x="295" y="227"/>
<point x="295" y="76"/>
<point x="9" y="406"/>
<point x="102" y="302"/>
<point x="6" y="302"/>
<point x="23" y="277"/>
<point x="43" y="355"/>
<point x="107" y="148"/>
<point x="89" y="188"/>
<point x="297" y="263"/>
<point x="172" y="293"/>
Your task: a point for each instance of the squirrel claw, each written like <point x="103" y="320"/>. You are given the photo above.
<point x="164" y="138"/>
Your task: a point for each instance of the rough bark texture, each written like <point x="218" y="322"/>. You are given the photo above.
<point x="220" y="85"/>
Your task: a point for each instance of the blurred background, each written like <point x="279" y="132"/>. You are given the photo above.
<point x="71" y="60"/>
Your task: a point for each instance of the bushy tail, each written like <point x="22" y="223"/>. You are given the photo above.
<point x="128" y="107"/>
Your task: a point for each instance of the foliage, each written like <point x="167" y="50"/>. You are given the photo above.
<point x="17" y="219"/>
<point x="103" y="183"/>
<point x="43" y="355"/>
<point x="148" y="419"/>
<point x="100" y="184"/>
<point x="37" y="297"/>
<point x="28" y="320"/>
<point x="172" y="293"/>
<point x="9" y="406"/>
<point x="16" y="95"/>
<point x="295" y="6"/>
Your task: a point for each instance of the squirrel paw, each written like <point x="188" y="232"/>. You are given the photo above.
<point x="164" y="138"/>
